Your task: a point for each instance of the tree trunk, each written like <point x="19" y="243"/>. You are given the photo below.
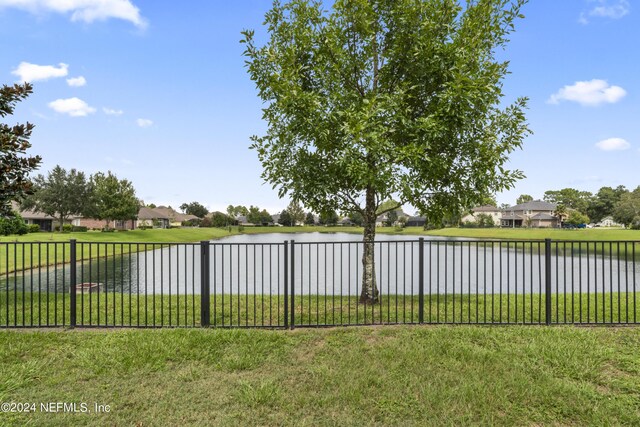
<point x="61" y="223"/>
<point x="369" y="293"/>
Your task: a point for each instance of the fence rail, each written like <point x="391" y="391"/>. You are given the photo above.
<point x="303" y="284"/>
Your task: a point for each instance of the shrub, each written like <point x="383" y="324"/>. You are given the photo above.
<point x="107" y="230"/>
<point x="66" y="228"/>
<point x="13" y="224"/>
<point x="79" y="229"/>
<point x="485" y="221"/>
<point x="33" y="228"/>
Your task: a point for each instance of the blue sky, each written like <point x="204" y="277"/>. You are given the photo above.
<point x="156" y="91"/>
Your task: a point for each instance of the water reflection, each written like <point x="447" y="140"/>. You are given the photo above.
<point x="330" y="264"/>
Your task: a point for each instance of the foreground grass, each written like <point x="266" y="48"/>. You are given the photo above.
<point x="116" y="309"/>
<point x="348" y="377"/>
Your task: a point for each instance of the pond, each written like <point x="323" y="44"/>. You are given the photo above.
<point x="330" y="264"/>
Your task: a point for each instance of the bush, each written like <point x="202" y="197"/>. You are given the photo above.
<point x="13" y="224"/>
<point x="108" y="230"/>
<point x="79" y="229"/>
<point x="144" y="227"/>
<point x="66" y="228"/>
<point x="33" y="228"/>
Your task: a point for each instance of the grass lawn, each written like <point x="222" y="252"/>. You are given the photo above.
<point x="118" y="309"/>
<point x="172" y="235"/>
<point x="409" y="375"/>
<point x="589" y="234"/>
<point x="54" y="247"/>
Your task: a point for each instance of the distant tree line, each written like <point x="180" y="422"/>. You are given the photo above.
<point x="62" y="194"/>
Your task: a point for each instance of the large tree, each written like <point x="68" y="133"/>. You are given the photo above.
<point x="15" y="164"/>
<point x="296" y="212"/>
<point x="112" y="198"/>
<point x="258" y="217"/>
<point x="627" y="210"/>
<point x="523" y="198"/>
<point x="194" y="208"/>
<point x="604" y="202"/>
<point x="60" y="194"/>
<point x="381" y="99"/>
<point x="570" y="198"/>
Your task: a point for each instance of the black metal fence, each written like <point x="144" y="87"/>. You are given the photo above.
<point x="303" y="284"/>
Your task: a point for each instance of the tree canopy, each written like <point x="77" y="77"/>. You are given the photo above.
<point x="523" y="198"/>
<point x="112" y="198"/>
<point x="381" y="99"/>
<point x="15" y="164"/>
<point x="60" y="194"/>
<point x="194" y="208"/>
<point x="570" y="198"/>
<point x="627" y="210"/>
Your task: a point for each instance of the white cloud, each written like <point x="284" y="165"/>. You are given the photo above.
<point x="77" y="81"/>
<point x="28" y="72"/>
<point x="144" y="123"/>
<point x="112" y="112"/>
<point x="82" y="10"/>
<point x="589" y="93"/>
<point x="74" y="107"/>
<point x="613" y="144"/>
<point x="612" y="9"/>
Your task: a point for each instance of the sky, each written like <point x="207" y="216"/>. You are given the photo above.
<point x="157" y="92"/>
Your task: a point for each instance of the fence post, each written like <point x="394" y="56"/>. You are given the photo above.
<point x="421" y="280"/>
<point x="286" y="284"/>
<point x="547" y="280"/>
<point x="293" y="284"/>
<point x="204" y="284"/>
<point x="73" y="280"/>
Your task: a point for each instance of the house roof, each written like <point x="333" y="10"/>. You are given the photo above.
<point x="417" y="219"/>
<point x="148" y="213"/>
<point x="516" y="216"/>
<point x="542" y="215"/>
<point x="173" y="215"/>
<point x="27" y="214"/>
<point x="485" y="208"/>
<point x="534" y="205"/>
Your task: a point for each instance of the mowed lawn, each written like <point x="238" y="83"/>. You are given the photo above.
<point x="589" y="234"/>
<point x="405" y="375"/>
<point x="41" y="249"/>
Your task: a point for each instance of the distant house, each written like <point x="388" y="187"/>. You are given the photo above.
<point x="148" y="217"/>
<point x="92" y="223"/>
<point x="494" y="212"/>
<point x="608" y="221"/>
<point x="345" y="222"/>
<point x="416" y="221"/>
<point x="382" y="219"/>
<point x="535" y="213"/>
<point x="242" y="220"/>
<point x="175" y="218"/>
<point x="42" y="220"/>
